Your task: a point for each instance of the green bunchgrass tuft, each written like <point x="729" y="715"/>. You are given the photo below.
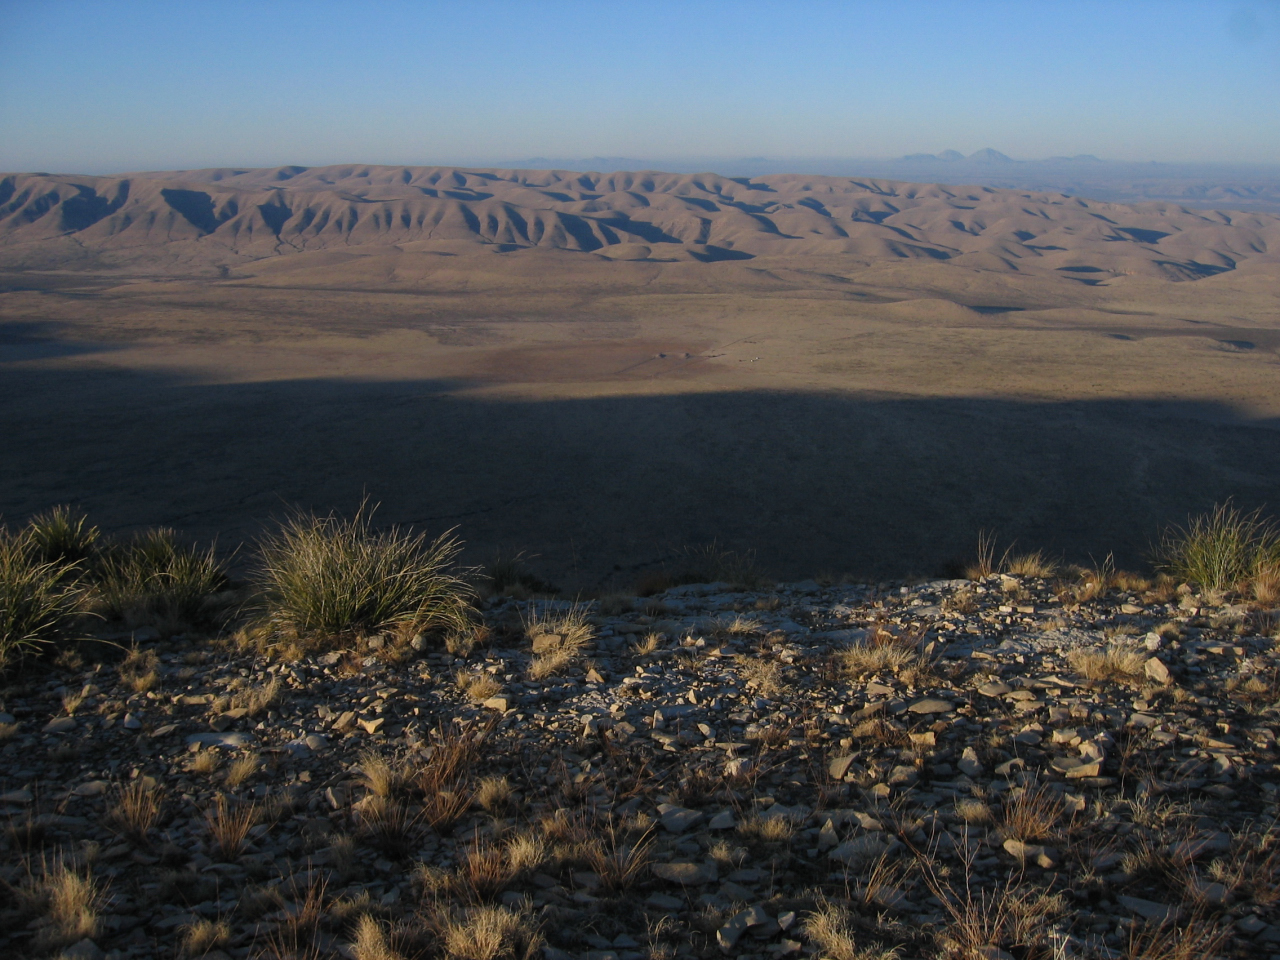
<point x="63" y="535"/>
<point x="1221" y="550"/>
<point x="156" y="580"/>
<point x="325" y="576"/>
<point x="38" y="599"/>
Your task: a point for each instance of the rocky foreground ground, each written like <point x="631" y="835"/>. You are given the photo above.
<point x="1004" y="768"/>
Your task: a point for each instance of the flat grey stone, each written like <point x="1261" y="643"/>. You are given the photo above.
<point x="722" y="821"/>
<point x="839" y="766"/>
<point x="230" y="740"/>
<point x="664" y="902"/>
<point x="1147" y="909"/>
<point x="677" y="819"/>
<point x="861" y="849"/>
<point x="931" y="705"/>
<point x="1157" y="671"/>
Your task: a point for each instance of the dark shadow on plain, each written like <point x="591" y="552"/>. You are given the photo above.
<point x="607" y="486"/>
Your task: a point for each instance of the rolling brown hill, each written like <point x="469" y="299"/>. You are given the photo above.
<point x="601" y="370"/>
<point x="201" y="220"/>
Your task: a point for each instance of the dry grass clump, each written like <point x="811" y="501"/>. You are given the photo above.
<point x="67" y="902"/>
<point x="1195" y="940"/>
<point x="526" y="852"/>
<point x="494" y="794"/>
<point x="1224" y="549"/>
<point x="1255" y="691"/>
<point x="258" y="697"/>
<point x="1014" y="919"/>
<point x="881" y="731"/>
<point x="619" y="864"/>
<point x="443" y="781"/>
<point x="1094" y="582"/>
<point x="1032" y="813"/>
<point x="558" y="640"/>
<point x="1266" y="584"/>
<point x="767" y="830"/>
<point x="371" y="941"/>
<point x="985" y="564"/>
<point x="477" y="687"/>
<point x="831" y="929"/>
<point x="325" y="577"/>
<point x="739" y="626"/>
<point x="72" y="699"/>
<point x="135" y="811"/>
<point x="295" y="937"/>
<point x="206" y="763"/>
<point x="974" y="812"/>
<point x="229" y="826"/>
<point x="242" y="769"/>
<point x="156" y="580"/>
<point x="489" y="933"/>
<point x="383" y="777"/>
<point x="38" y="598"/>
<point x="387" y="824"/>
<point x="1030" y="565"/>
<point x="140" y="669"/>
<point x="203" y="936"/>
<point x="1110" y="665"/>
<point x="485" y="871"/>
<point x="765" y="676"/>
<point x="883" y="652"/>
<point x="648" y="645"/>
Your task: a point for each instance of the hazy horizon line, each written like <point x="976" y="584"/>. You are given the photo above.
<point x="987" y="158"/>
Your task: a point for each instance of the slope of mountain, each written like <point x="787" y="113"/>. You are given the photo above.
<point x="211" y="218"/>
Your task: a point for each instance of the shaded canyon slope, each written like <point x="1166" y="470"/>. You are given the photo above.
<point x="201" y="220"/>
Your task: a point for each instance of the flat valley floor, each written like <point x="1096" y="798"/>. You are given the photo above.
<point x="831" y="414"/>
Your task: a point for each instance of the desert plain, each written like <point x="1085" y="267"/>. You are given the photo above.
<point x="843" y="375"/>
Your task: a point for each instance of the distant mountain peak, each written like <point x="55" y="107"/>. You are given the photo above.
<point x="987" y="155"/>
<point x="951" y="155"/>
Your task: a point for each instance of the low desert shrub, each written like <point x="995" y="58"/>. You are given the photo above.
<point x="1221" y="550"/>
<point x="38" y="598"/>
<point x="326" y="576"/>
<point x="157" y="580"/>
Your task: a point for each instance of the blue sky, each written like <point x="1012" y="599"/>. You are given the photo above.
<point x="130" y="84"/>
